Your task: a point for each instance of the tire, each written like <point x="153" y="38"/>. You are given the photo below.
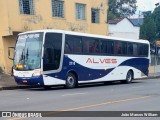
<point x="71" y="81"/>
<point x="129" y="77"/>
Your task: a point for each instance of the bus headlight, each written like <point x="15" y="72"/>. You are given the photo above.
<point x="37" y="73"/>
<point x="15" y="74"/>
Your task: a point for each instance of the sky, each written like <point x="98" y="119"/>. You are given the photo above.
<point x="146" y="5"/>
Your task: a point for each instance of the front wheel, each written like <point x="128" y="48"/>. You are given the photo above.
<point x="71" y="81"/>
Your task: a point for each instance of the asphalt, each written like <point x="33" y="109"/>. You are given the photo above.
<point x="7" y="82"/>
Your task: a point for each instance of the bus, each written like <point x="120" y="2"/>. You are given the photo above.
<point x="57" y="57"/>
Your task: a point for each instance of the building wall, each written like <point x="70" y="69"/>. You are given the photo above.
<point x="12" y="22"/>
<point x="124" y="29"/>
<point x="43" y="16"/>
<point x="4" y="20"/>
<point x="1" y="54"/>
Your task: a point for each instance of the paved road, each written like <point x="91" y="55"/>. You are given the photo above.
<point x="142" y="95"/>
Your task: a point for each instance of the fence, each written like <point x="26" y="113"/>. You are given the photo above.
<point x="155" y="64"/>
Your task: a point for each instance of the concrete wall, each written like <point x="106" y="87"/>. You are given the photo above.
<point x="124" y="29"/>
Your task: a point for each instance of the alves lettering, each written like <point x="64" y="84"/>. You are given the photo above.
<point x="101" y="61"/>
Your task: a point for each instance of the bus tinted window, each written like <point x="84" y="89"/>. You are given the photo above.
<point x="86" y="46"/>
<point x="124" y="48"/>
<point x="118" y="47"/>
<point x="130" y="49"/>
<point x="95" y="46"/>
<point x="73" y="44"/>
<point x="145" y="50"/>
<point x="135" y="49"/>
<point x="103" y="46"/>
<point x="52" y="51"/>
<point x="107" y="47"/>
<point x="142" y="50"/>
<point x="110" y="47"/>
<point x="90" y="45"/>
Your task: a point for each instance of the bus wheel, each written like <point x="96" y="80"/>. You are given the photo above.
<point x="129" y="77"/>
<point x="71" y="81"/>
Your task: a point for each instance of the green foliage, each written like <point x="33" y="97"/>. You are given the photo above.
<point x="156" y="17"/>
<point x="150" y="30"/>
<point x="121" y="8"/>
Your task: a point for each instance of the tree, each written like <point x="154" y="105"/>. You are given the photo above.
<point x="148" y="29"/>
<point x="156" y="17"/>
<point x="121" y="8"/>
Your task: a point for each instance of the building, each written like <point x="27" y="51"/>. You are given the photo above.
<point x="17" y="16"/>
<point x="137" y="21"/>
<point x="124" y="28"/>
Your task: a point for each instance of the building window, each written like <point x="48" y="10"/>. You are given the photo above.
<point x="58" y="8"/>
<point x="26" y="7"/>
<point x="95" y="15"/>
<point x="80" y="11"/>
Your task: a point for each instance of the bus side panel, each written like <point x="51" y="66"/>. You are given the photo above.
<point x="95" y="72"/>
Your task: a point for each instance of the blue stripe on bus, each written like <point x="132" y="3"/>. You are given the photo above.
<point x="86" y="74"/>
<point x="141" y="64"/>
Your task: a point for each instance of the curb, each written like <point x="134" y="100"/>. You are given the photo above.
<point x="152" y="77"/>
<point x="15" y="87"/>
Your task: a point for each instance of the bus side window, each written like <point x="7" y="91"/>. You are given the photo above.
<point x="69" y="44"/>
<point x="77" y="45"/>
<point x="67" y="48"/>
<point x="130" y="49"/>
<point x="103" y="46"/>
<point x="110" y="47"/>
<point x="95" y="47"/>
<point x="145" y="49"/>
<point x="140" y="49"/>
<point x="118" y="47"/>
<point x="86" y="46"/>
<point x="124" y="48"/>
<point x="135" y="49"/>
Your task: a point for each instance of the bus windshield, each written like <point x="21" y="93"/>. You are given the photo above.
<point x="28" y="52"/>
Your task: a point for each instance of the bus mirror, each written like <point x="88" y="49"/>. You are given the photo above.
<point x="11" y="52"/>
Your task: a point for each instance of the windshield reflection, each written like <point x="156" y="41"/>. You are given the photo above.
<point x="28" y="52"/>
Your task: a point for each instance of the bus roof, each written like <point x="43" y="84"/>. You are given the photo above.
<point x="87" y="35"/>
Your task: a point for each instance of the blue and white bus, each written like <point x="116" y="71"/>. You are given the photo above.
<point x="57" y="57"/>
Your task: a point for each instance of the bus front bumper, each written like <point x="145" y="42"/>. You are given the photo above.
<point x="36" y="80"/>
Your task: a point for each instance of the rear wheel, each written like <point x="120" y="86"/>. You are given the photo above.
<point x="129" y="77"/>
<point x="71" y="81"/>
